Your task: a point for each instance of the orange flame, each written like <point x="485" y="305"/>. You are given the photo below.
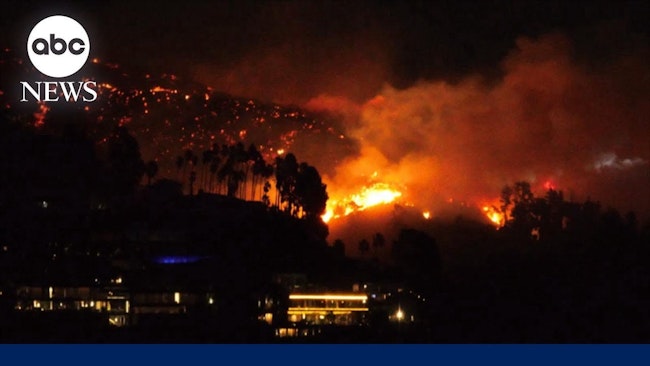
<point x="369" y="196"/>
<point x="494" y="215"/>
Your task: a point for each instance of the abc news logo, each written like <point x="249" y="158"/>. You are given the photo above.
<point x="58" y="46"/>
<point x="45" y="47"/>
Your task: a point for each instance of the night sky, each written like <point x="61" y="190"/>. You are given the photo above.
<point x="286" y="47"/>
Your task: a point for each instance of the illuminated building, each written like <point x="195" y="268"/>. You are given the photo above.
<point x="113" y="302"/>
<point x="120" y="306"/>
<point x="328" y="308"/>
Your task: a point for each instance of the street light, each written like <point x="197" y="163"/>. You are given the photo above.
<point x="399" y="315"/>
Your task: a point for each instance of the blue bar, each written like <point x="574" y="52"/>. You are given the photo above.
<point x="297" y="354"/>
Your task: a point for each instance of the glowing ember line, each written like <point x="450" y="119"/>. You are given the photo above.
<point x="374" y="195"/>
<point x="379" y="193"/>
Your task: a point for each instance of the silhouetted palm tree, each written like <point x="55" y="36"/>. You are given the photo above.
<point x="206" y="160"/>
<point x="214" y="166"/>
<point x="180" y="161"/>
<point x="364" y="246"/>
<point x="257" y="161"/>
<point x="265" y="197"/>
<point x="286" y="171"/>
<point x="267" y="173"/>
<point x="378" y="242"/>
<point x="192" y="180"/>
<point x="187" y="157"/>
<point x="239" y="156"/>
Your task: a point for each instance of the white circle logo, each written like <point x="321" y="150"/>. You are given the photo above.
<point x="58" y="46"/>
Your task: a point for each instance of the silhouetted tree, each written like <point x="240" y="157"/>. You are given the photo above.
<point x="253" y="167"/>
<point x="265" y="197"/>
<point x="191" y="181"/>
<point x="364" y="246"/>
<point x="378" y="242"/>
<point x="339" y="248"/>
<point x="418" y="256"/>
<point x="518" y="203"/>
<point x="553" y="215"/>
<point x="125" y="165"/>
<point x="267" y="172"/>
<point x="188" y="158"/>
<point x="214" y="167"/>
<point x="206" y="161"/>
<point x="300" y="190"/>
<point x="310" y="192"/>
<point x="151" y="169"/>
<point x="506" y="202"/>
<point x="180" y="161"/>
<point x="286" y="171"/>
<point x="258" y="170"/>
<point x="612" y="228"/>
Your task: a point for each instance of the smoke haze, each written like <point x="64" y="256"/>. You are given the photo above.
<point x="548" y="120"/>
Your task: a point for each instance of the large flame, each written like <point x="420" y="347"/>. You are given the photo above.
<point x="381" y="193"/>
<point x="494" y="215"/>
<point x="368" y="196"/>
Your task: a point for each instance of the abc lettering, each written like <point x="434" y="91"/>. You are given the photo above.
<point x="51" y="91"/>
<point x="58" y="46"/>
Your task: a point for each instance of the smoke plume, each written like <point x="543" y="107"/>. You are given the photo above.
<point x="549" y="120"/>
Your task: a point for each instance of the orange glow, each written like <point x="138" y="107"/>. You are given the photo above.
<point x="39" y="116"/>
<point x="549" y="185"/>
<point x="160" y="89"/>
<point x="494" y="215"/>
<point x="333" y="297"/>
<point x="327" y="216"/>
<point x="369" y="196"/>
<point x="322" y="311"/>
<point x="426" y="215"/>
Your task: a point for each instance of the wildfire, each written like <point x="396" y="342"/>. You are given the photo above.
<point x="426" y="215"/>
<point x="369" y="196"/>
<point x="494" y="215"/>
<point x="378" y="193"/>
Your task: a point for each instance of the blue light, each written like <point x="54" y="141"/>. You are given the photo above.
<point x="177" y="259"/>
